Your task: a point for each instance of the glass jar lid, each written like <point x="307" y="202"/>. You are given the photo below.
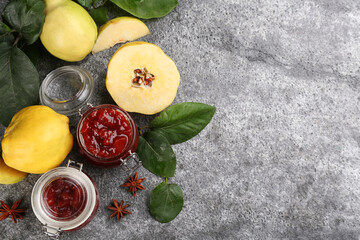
<point x="67" y="89"/>
<point x="39" y="206"/>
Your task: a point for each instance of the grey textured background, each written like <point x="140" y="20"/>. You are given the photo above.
<point x="280" y="159"/>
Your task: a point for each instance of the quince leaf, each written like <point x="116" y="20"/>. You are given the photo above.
<point x="147" y="8"/>
<point x="182" y="121"/>
<point x="19" y="82"/>
<point x="5" y="33"/>
<point x="85" y="3"/>
<point x="99" y="14"/>
<point x="156" y="154"/>
<point x="26" y="17"/>
<point x="166" y="202"/>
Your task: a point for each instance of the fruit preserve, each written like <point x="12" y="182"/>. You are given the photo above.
<point x="107" y="135"/>
<point x="64" y="199"/>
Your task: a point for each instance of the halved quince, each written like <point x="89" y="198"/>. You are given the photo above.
<point x="119" y="30"/>
<point x="142" y="78"/>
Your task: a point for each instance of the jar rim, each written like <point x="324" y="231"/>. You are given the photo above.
<point x="81" y="191"/>
<point x="72" y="104"/>
<point x="45" y="179"/>
<point x="129" y="145"/>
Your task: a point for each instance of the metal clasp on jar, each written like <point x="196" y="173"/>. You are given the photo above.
<point x="130" y="163"/>
<point x="84" y="108"/>
<point x="52" y="232"/>
<point x="74" y="164"/>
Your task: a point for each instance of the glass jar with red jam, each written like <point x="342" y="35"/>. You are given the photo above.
<point x="108" y="136"/>
<point x="65" y="199"/>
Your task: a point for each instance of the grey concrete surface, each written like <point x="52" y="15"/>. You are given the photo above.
<point x="280" y="159"/>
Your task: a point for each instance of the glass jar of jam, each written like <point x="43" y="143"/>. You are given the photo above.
<point x="108" y="137"/>
<point x="64" y="199"/>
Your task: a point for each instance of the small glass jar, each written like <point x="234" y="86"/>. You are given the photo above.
<point x="64" y="199"/>
<point x="121" y="127"/>
<point x="67" y="89"/>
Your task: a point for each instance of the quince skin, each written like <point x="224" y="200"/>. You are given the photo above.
<point x="69" y="32"/>
<point x="119" y="30"/>
<point x="9" y="175"/>
<point x="36" y="140"/>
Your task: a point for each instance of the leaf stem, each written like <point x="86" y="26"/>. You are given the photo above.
<point x="17" y="39"/>
<point x="166" y="180"/>
<point x="104" y="2"/>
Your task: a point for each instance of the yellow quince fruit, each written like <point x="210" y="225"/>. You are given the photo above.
<point x="119" y="30"/>
<point x="36" y="140"/>
<point x="69" y="32"/>
<point x="9" y="175"/>
<point x="142" y="78"/>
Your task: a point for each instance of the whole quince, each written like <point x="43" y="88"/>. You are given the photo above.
<point x="36" y="140"/>
<point x="69" y="32"/>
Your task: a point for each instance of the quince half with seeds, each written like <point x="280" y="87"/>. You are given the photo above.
<point x="142" y="78"/>
<point x="119" y="30"/>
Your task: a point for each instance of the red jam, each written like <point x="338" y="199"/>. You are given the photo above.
<point x="107" y="135"/>
<point x="64" y="198"/>
<point x="106" y="132"/>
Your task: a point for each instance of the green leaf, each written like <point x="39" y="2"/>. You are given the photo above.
<point x="156" y="154"/>
<point x="147" y="8"/>
<point x="5" y="27"/>
<point x="19" y="82"/>
<point x="26" y="16"/>
<point x="85" y="3"/>
<point x="95" y="2"/>
<point x="5" y="33"/>
<point x="99" y="14"/>
<point x="182" y="121"/>
<point x="166" y="202"/>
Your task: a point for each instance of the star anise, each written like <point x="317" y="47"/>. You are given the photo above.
<point x="13" y="211"/>
<point x="133" y="184"/>
<point x="119" y="209"/>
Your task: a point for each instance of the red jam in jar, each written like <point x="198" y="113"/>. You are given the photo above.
<point x="105" y="134"/>
<point x="64" y="198"/>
